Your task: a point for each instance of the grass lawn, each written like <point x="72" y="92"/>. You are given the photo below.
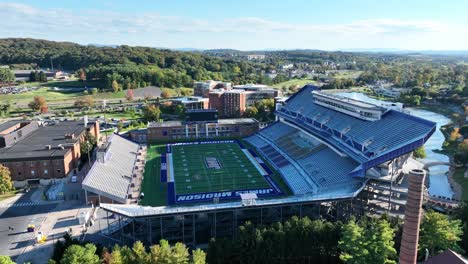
<point x="459" y="177"/>
<point x="346" y="74"/>
<point x="229" y="170"/>
<point x="155" y="191"/>
<point x="49" y="95"/>
<point x="173" y="92"/>
<point x="298" y="82"/>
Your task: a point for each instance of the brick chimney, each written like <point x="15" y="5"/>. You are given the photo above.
<point x="409" y="241"/>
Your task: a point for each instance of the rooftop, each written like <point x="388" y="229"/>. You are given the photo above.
<point x="220" y="121"/>
<point x="33" y="146"/>
<point x="113" y="177"/>
<point x="8" y="124"/>
<point x="364" y="139"/>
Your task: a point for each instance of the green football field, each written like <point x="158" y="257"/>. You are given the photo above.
<point x="201" y="168"/>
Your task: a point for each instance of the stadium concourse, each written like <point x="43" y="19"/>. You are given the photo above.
<point x="325" y="156"/>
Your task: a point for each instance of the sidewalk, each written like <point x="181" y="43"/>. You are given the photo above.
<point x="55" y="225"/>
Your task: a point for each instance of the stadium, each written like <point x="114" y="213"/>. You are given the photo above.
<point x="325" y="156"/>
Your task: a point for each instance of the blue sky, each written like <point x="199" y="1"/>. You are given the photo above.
<point x="245" y="25"/>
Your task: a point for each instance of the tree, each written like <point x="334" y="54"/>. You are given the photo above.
<point x="116" y="256"/>
<point x="455" y="134"/>
<point x="87" y="145"/>
<point x="352" y="244"/>
<point x="369" y="241"/>
<point x="77" y="254"/>
<point x="42" y="76"/>
<point x="381" y="244"/>
<point x="129" y="95"/>
<point x="198" y="256"/>
<point x="165" y="94"/>
<point x="6" y="75"/>
<point x="44" y="109"/>
<point x="115" y="86"/>
<point x="38" y="103"/>
<point x="179" y="254"/>
<point x="87" y="101"/>
<point x="251" y="112"/>
<point x="420" y="153"/>
<point x="82" y="74"/>
<point x="160" y="253"/>
<point x="439" y="233"/>
<point x="94" y="91"/>
<point x="462" y="214"/>
<point x="139" y="251"/>
<point x="6" y="260"/>
<point x="151" y="113"/>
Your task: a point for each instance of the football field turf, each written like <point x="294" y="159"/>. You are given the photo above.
<point x="202" y="168"/>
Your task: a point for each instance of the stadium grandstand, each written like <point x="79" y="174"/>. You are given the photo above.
<point x="324" y="156"/>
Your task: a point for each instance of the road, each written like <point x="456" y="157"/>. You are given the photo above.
<point x="15" y="219"/>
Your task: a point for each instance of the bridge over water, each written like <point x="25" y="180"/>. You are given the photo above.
<point x="435" y="163"/>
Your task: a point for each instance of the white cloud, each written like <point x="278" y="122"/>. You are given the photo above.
<point x="153" y="29"/>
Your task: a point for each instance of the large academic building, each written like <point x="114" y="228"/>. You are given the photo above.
<point x="37" y="152"/>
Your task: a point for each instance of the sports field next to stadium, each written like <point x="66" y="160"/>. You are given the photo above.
<point x="214" y="168"/>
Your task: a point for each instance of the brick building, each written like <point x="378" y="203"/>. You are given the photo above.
<point x="36" y="153"/>
<point x="204" y="88"/>
<point x="233" y="103"/>
<point x="174" y="130"/>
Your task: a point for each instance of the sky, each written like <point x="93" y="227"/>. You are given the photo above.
<point x="244" y="24"/>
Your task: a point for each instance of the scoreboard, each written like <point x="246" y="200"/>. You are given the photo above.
<point x="201" y="115"/>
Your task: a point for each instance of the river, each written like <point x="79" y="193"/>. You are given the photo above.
<point x="438" y="180"/>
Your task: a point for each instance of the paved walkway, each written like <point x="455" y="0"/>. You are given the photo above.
<point x="54" y="226"/>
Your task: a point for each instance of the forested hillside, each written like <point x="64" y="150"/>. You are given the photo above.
<point x="137" y="63"/>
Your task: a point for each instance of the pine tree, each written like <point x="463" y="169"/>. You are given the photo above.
<point x="179" y="254"/>
<point x="352" y="244"/>
<point x="139" y="252"/>
<point x="115" y="86"/>
<point x="198" y="256"/>
<point x="116" y="256"/>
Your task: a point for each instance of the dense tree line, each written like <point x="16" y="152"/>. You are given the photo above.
<point x="134" y="63"/>
<point x="6" y="75"/>
<point x="367" y="240"/>
<point x="262" y="110"/>
<point x="37" y="76"/>
<point x="415" y="73"/>
<point x="72" y="251"/>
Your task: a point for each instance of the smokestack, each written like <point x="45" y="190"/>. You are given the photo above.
<point x="409" y="241"/>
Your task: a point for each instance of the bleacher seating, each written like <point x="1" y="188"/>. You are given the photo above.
<point x="296" y="182"/>
<point x="306" y="164"/>
<point x="303" y="156"/>
<point x="394" y="129"/>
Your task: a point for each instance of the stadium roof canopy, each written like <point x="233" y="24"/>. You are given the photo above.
<point x="111" y="177"/>
<point x="368" y="142"/>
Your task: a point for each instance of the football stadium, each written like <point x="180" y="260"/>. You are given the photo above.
<point x="210" y="171"/>
<point x="325" y="156"/>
